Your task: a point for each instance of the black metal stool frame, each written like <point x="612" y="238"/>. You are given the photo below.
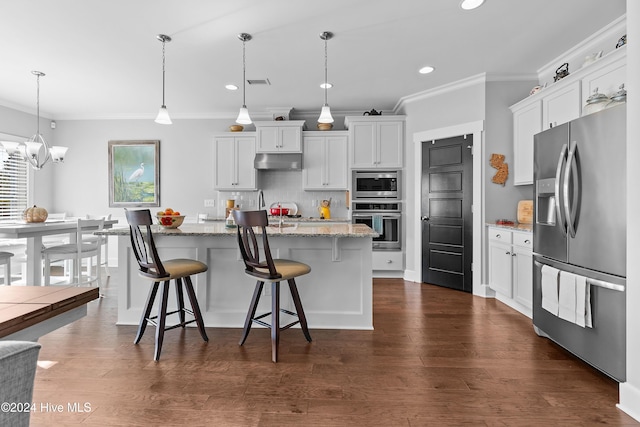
<point x="266" y="271"/>
<point x="152" y="267"/>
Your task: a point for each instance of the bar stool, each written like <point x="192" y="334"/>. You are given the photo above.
<point x="268" y="271"/>
<point x="5" y="259"/>
<point x="152" y="268"/>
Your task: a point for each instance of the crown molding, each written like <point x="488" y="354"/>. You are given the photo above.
<point x="440" y="90"/>
<point x="591" y="44"/>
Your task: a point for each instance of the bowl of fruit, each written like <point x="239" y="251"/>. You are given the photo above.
<point x="169" y="218"/>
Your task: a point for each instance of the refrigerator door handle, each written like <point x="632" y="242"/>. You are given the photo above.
<point x="561" y="161"/>
<point x="565" y="189"/>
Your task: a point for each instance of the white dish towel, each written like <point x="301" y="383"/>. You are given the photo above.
<point x="567" y="297"/>
<point x="583" y="302"/>
<point x="550" y="289"/>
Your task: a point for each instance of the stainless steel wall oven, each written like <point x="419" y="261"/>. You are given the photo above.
<point x="383" y="217"/>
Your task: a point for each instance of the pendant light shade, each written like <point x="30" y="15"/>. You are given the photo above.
<point x="243" y="115"/>
<point x="325" y="113"/>
<point x="36" y="151"/>
<point x="163" y="115"/>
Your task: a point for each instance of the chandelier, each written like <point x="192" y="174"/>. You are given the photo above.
<point x="36" y="151"/>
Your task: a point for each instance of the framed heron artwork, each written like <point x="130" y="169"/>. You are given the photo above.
<point x="134" y="173"/>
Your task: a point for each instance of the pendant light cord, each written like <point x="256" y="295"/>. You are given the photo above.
<point x="38" y="104"/>
<point x="163" y="42"/>
<point x="325" y="71"/>
<point x="244" y="72"/>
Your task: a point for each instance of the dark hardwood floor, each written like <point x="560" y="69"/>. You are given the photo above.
<point x="437" y="357"/>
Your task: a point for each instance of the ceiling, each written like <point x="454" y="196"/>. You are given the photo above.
<point x="102" y="59"/>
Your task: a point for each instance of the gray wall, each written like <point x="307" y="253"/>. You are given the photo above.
<point x="186" y="169"/>
<point x="482" y="101"/>
<point x="454" y="107"/>
<point x="502" y="201"/>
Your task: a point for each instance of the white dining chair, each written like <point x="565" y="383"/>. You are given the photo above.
<point x="77" y="251"/>
<point x="5" y="260"/>
<point x="55" y="239"/>
<point x="104" y="242"/>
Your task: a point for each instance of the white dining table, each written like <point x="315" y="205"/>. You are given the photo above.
<point x="33" y="233"/>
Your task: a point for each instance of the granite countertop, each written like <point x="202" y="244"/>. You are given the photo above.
<point x="515" y="226"/>
<point x="291" y="219"/>
<point x="289" y="229"/>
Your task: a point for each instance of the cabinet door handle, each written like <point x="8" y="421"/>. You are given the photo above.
<point x="507" y="253"/>
<point x="498" y="236"/>
<point x="513" y="254"/>
<point x="527" y="241"/>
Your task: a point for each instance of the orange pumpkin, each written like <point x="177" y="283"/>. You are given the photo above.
<point x="35" y="214"/>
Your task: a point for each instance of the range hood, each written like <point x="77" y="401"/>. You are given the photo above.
<point x="278" y="161"/>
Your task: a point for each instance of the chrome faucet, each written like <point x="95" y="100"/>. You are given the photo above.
<point x="260" y="203"/>
<point x="281" y="222"/>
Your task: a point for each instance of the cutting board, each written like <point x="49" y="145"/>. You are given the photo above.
<point x="525" y="211"/>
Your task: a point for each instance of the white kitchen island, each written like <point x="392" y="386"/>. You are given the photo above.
<point x="336" y="294"/>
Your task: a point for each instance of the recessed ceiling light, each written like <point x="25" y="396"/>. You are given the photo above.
<point x="471" y="4"/>
<point x="231" y="87"/>
<point x="326" y="85"/>
<point x="426" y="70"/>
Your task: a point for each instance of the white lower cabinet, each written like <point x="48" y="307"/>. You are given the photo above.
<point x="510" y="267"/>
<point x="388" y="260"/>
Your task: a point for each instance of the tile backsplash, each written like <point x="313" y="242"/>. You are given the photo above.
<point x="284" y="186"/>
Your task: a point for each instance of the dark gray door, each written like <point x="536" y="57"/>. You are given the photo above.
<point x="447" y="229"/>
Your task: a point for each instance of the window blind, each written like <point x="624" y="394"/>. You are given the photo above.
<point x="13" y="186"/>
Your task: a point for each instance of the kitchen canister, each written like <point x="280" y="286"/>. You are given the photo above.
<point x="596" y="102"/>
<point x="620" y="97"/>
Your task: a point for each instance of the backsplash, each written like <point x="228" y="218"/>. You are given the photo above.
<point x="283" y="186"/>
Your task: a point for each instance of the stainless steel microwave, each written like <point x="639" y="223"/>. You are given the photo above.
<point x="376" y="185"/>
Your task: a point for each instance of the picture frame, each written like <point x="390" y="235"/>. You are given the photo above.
<point x="134" y="173"/>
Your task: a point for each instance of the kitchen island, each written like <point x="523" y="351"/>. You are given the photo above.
<point x="337" y="294"/>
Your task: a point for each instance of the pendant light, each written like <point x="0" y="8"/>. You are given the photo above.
<point x="325" y="114"/>
<point x="243" y="115"/>
<point x="36" y="151"/>
<point x="163" y="115"/>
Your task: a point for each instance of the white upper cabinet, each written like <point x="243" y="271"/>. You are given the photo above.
<point x="325" y="160"/>
<point x="560" y="103"/>
<point x="279" y="136"/>
<point x="606" y="78"/>
<point x="526" y="123"/>
<point x="233" y="161"/>
<point x="561" y="106"/>
<point x="376" y="141"/>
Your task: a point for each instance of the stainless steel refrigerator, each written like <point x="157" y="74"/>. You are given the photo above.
<point x="580" y="227"/>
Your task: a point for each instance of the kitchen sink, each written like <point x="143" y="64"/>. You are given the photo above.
<point x="282" y="226"/>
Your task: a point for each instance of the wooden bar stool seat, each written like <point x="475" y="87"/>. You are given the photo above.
<point x="271" y="271"/>
<point x="152" y="268"/>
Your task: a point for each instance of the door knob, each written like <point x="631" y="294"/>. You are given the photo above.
<point x="425" y="218"/>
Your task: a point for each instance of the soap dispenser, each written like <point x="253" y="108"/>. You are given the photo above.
<point x="230" y="221"/>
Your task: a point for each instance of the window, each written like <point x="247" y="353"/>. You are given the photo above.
<point x="14" y="183"/>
